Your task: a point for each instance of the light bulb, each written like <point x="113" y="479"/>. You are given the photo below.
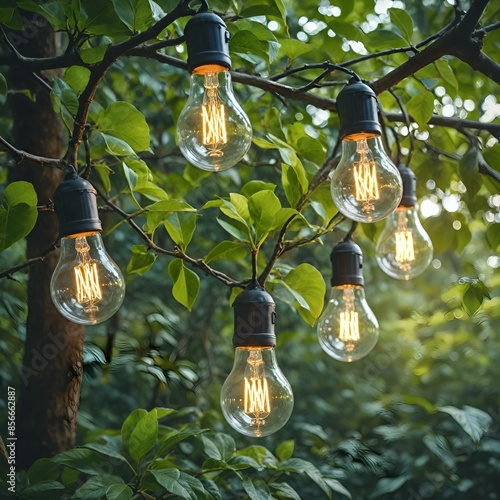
<point x="347" y="329"/>
<point x="256" y="398"/>
<point x="87" y="287"/>
<point x="213" y="131"/>
<point x="366" y="185"/>
<point x="404" y="249"/>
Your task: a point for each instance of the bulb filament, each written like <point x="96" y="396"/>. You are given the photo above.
<point x="256" y="398"/>
<point x="349" y="321"/>
<point x="213" y="117"/>
<point x="365" y="176"/>
<point x="88" y="289"/>
<point x="405" y="250"/>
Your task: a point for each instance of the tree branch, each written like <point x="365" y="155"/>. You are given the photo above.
<point x="20" y="156"/>
<point x="177" y="252"/>
<point x="27" y="263"/>
<point x="459" y="35"/>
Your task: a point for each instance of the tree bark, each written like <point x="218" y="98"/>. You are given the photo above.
<point x="49" y="390"/>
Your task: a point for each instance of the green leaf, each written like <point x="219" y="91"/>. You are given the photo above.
<point x="119" y="492"/>
<point x="421" y="107"/>
<point x="130" y="424"/>
<point x="253" y="187"/>
<point x="235" y="229"/>
<point x="186" y="283"/>
<point x="158" y="212"/>
<point x="383" y="39"/>
<point x="94" y="54"/>
<point x="180" y="227"/>
<point x="116" y="146"/>
<point x="388" y="485"/>
<point x="123" y="121"/>
<point x="18" y="213"/>
<point x="472" y="299"/>
<point x="260" y="455"/>
<point x="263" y="207"/>
<point x="227" y="250"/>
<point x="81" y="459"/>
<point x="176" y="482"/>
<point x="142" y="260"/>
<point x="135" y="14"/>
<point x="246" y="45"/>
<point x="77" y="78"/>
<point x="64" y="95"/>
<point x="308" y="283"/>
<point x="493" y="235"/>
<point x="285" y="449"/>
<point x="291" y="184"/>
<point x="256" y="489"/>
<point x="42" y="470"/>
<point x="96" y="487"/>
<point x="284" y="491"/>
<point x="468" y="169"/>
<point x="294" y="48"/>
<point x="45" y="487"/>
<point x="401" y="19"/>
<point x="144" y="436"/>
<point x="474" y="422"/>
<point x="447" y="75"/>
<point x="337" y="486"/>
<point x="304" y="467"/>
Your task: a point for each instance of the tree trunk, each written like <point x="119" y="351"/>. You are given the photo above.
<point x="49" y="391"/>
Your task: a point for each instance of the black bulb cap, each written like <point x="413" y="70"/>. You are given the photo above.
<point x="409" y="179"/>
<point x="207" y="40"/>
<point x="75" y="202"/>
<point x="357" y="107"/>
<point x="347" y="264"/>
<point x="254" y="318"/>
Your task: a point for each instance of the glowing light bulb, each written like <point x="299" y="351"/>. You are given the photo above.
<point x="347" y="328"/>
<point x="256" y="398"/>
<point x="213" y="131"/>
<point x="366" y="185"/>
<point x="404" y="250"/>
<point x="87" y="287"/>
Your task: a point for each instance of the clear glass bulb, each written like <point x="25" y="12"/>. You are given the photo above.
<point x="87" y="287"/>
<point x="366" y="186"/>
<point x="404" y="250"/>
<point x="256" y="398"/>
<point x="347" y="329"/>
<point x="213" y="132"/>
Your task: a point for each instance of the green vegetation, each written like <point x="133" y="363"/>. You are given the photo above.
<point x="417" y="418"/>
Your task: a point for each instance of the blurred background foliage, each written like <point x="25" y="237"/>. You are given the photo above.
<point x="420" y="416"/>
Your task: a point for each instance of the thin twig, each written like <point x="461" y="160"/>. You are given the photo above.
<point x="27" y="263"/>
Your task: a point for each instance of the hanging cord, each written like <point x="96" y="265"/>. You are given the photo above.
<point x="407" y="123"/>
<point x="255" y="254"/>
<point x="348" y="236"/>
<point x="203" y="7"/>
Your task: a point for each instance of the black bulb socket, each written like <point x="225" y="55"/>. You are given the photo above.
<point x="75" y="203"/>
<point x="409" y="179"/>
<point x="254" y="318"/>
<point x="207" y="41"/>
<point x="357" y="108"/>
<point x="347" y="264"/>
